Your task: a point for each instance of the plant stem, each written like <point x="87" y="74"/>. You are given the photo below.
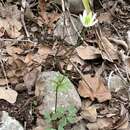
<point x="57" y="87"/>
<point x="86" y="4"/>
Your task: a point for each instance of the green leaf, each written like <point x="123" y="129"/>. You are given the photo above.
<point x="61" y="83"/>
<point x="55" y="116"/>
<point x="72" y="110"/>
<point x="62" y="122"/>
<point x="70" y="119"/>
<point x="60" y="110"/>
<point x="60" y="127"/>
<point x="47" y="117"/>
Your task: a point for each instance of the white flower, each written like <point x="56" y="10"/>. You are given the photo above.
<point x="88" y="19"/>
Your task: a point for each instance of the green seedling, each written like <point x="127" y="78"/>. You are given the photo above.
<point x="61" y="117"/>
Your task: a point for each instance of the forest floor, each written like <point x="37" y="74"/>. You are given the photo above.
<point x="96" y="60"/>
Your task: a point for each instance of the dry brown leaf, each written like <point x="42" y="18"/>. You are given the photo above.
<point x="105" y="17"/>
<point x="96" y="89"/>
<point x="28" y="58"/>
<point x="30" y="79"/>
<point x="3" y="82"/>
<point x="108" y="50"/>
<point x="88" y="53"/>
<point x="89" y="113"/>
<point x="19" y="63"/>
<point x="10" y="21"/>
<point x="8" y="94"/>
<point x="12" y="50"/>
<point x="42" y="5"/>
<point x="44" y="51"/>
<point x="101" y="124"/>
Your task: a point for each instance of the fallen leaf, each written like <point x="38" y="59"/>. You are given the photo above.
<point x="28" y="58"/>
<point x="89" y="113"/>
<point x="8" y="94"/>
<point x="105" y="17"/>
<point x="108" y="50"/>
<point x="42" y="5"/>
<point x="30" y="79"/>
<point x="12" y="50"/>
<point x="96" y="89"/>
<point x="101" y="124"/>
<point x="10" y="21"/>
<point x="44" y="51"/>
<point x="88" y="53"/>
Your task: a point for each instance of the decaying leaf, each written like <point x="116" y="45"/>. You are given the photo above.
<point x="8" y="94"/>
<point x="101" y="124"/>
<point x="30" y="79"/>
<point x="9" y="21"/>
<point x="42" y="5"/>
<point x="96" y="89"/>
<point x="89" y="113"/>
<point x="109" y="52"/>
<point x="105" y="17"/>
<point x="44" y="51"/>
<point x="88" y="53"/>
<point x="12" y="50"/>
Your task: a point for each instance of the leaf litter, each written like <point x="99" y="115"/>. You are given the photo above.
<point x="105" y="47"/>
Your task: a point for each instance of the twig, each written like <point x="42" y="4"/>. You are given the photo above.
<point x="22" y="18"/>
<point x="17" y="40"/>
<point x="82" y="76"/>
<point x="4" y="72"/>
<point x="109" y="79"/>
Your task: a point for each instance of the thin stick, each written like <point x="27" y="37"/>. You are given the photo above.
<point x="22" y="17"/>
<point x="4" y="72"/>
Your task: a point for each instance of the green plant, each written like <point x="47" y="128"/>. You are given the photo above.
<point x="60" y="83"/>
<point x="61" y="117"/>
<point x="88" y="18"/>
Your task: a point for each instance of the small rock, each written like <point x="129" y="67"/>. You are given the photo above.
<point x="115" y="83"/>
<point x="44" y="87"/>
<point x="9" y="123"/>
<point x="67" y="31"/>
<point x="75" y="6"/>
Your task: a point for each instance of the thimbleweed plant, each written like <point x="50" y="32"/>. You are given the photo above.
<point x="88" y="18"/>
<point x="61" y="117"/>
<point x="60" y="83"/>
